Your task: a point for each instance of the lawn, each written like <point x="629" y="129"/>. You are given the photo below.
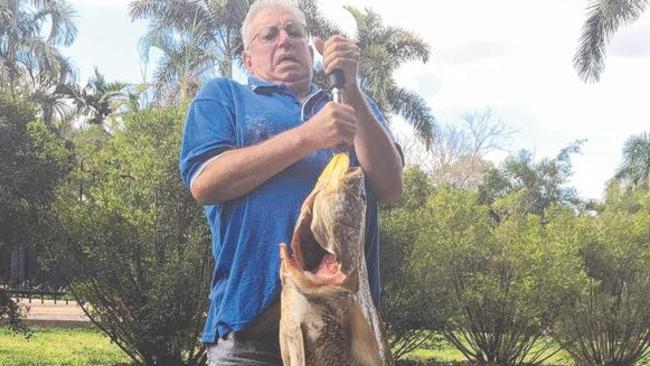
<point x="447" y="353"/>
<point x="89" y="347"/>
<point x="58" y="347"/>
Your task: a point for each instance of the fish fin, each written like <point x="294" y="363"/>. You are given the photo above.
<point x="351" y="281"/>
<point x="292" y="346"/>
<point x="388" y="355"/>
<point x="364" y="343"/>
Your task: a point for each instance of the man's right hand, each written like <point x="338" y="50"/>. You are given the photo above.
<point x="333" y="125"/>
<point x="237" y="172"/>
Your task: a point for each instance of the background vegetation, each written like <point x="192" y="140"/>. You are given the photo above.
<point x="504" y="264"/>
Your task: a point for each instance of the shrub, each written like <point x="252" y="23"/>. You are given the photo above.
<point x="500" y="286"/>
<point x="33" y="161"/>
<point x="405" y="305"/>
<point x="610" y="324"/>
<point x="135" y="243"/>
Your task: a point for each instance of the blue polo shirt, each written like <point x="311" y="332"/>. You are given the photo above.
<point x="246" y="231"/>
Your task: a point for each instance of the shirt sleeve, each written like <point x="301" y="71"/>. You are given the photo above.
<point x="209" y="131"/>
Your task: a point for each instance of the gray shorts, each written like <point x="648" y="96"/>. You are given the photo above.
<point x="236" y="349"/>
<point x="258" y="345"/>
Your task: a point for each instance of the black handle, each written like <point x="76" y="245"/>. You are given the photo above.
<point x="337" y="78"/>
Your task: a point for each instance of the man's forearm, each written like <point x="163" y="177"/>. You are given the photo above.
<point x="237" y="172"/>
<point x="375" y="150"/>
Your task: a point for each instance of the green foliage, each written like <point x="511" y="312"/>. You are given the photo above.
<point x="418" y="186"/>
<point x="32" y="163"/>
<point x="499" y="286"/>
<point x="542" y="183"/>
<point x="406" y="305"/>
<point x="10" y="313"/>
<point x="135" y="242"/>
<point x="610" y="325"/>
<point x="634" y="172"/>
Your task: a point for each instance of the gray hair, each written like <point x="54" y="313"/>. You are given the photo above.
<point x="260" y="5"/>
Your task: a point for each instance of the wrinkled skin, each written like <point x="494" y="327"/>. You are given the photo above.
<point x="327" y="316"/>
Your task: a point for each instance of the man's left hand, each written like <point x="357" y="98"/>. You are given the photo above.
<point x="340" y="53"/>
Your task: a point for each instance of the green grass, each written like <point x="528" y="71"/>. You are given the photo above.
<point x="89" y="347"/>
<point x="447" y="353"/>
<point x="58" y="347"/>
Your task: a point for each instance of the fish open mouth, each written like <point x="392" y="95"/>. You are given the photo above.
<point x="318" y="265"/>
<point x="311" y="261"/>
<point x="310" y="257"/>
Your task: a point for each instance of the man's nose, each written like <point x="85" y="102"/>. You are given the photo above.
<point x="283" y="37"/>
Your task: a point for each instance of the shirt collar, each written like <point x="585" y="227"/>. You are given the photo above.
<point x="259" y="85"/>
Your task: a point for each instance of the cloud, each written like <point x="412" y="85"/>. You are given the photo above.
<point x="470" y="52"/>
<point x="120" y="4"/>
<point x="632" y="44"/>
<point x="631" y="40"/>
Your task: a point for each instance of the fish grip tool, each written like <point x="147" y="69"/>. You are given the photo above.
<point x="337" y="82"/>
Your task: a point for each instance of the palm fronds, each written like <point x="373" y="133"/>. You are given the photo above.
<point x="604" y="18"/>
<point x="634" y="172"/>
<point x="383" y="50"/>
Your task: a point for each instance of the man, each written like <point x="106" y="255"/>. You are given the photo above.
<point x="251" y="154"/>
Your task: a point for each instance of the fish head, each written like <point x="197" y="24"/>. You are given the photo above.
<point x="339" y="211"/>
<point x="328" y="235"/>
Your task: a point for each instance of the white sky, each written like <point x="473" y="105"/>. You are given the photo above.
<point x="512" y="56"/>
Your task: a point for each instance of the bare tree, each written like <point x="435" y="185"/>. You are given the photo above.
<point x="457" y="157"/>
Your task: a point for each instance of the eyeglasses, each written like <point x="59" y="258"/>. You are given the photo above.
<point x="272" y="33"/>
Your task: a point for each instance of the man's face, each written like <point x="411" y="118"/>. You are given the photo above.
<point x="278" y="54"/>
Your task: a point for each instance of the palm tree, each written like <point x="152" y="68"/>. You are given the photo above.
<point x="208" y="29"/>
<point x="317" y="24"/>
<point x="634" y="172"/>
<point x="604" y="18"/>
<point x="197" y="36"/>
<point x="50" y="94"/>
<point x="99" y="98"/>
<point x="182" y="66"/>
<point x="28" y="50"/>
<point x="383" y="50"/>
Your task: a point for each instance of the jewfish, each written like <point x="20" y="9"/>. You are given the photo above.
<point x="327" y="313"/>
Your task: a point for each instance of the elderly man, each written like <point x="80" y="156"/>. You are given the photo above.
<point x="251" y="154"/>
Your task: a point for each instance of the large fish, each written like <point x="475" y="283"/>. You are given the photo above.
<point x="327" y="314"/>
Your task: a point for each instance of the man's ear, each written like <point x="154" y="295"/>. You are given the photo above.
<point x="248" y="63"/>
